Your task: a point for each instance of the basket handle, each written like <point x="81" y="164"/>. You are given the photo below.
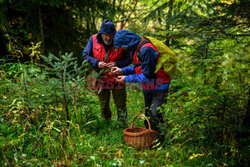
<point x="142" y="115"/>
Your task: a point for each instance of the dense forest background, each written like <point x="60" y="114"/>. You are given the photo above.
<point x="48" y="117"/>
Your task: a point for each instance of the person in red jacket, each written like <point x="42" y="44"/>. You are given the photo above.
<point x="101" y="55"/>
<point x="155" y="85"/>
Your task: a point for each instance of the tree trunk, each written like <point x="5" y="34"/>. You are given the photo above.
<point x="3" y="49"/>
<point x="168" y="26"/>
<point x="88" y="24"/>
<point x="93" y="20"/>
<point x="41" y="30"/>
<point x="246" y="121"/>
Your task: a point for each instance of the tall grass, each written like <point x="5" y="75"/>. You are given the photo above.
<point x="35" y="129"/>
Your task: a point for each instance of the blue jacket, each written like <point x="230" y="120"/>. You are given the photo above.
<point x="148" y="58"/>
<point x="107" y="27"/>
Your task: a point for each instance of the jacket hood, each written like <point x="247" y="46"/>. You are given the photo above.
<point x="107" y="27"/>
<point x="125" y="38"/>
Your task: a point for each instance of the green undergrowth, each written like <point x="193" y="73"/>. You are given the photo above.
<point x="99" y="143"/>
<point x="48" y="117"/>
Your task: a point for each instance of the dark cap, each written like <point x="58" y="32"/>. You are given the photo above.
<point x="107" y="27"/>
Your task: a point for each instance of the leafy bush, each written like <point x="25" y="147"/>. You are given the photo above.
<point x="33" y="106"/>
<point x="201" y="116"/>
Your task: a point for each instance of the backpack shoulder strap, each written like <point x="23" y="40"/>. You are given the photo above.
<point x="140" y="46"/>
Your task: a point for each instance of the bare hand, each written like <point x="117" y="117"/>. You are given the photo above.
<point x="120" y="79"/>
<point x="116" y="71"/>
<point x="102" y="65"/>
<point x="111" y="64"/>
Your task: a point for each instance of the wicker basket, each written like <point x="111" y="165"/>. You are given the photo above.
<point x="140" y="137"/>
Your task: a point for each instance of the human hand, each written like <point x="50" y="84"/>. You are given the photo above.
<point x="111" y="64"/>
<point x="116" y="71"/>
<point x="102" y="65"/>
<point x="120" y="79"/>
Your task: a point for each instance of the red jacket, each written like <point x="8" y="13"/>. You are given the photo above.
<point x="100" y="54"/>
<point x="161" y="76"/>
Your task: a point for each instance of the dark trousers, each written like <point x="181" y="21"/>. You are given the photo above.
<point x="153" y="105"/>
<point x="119" y="96"/>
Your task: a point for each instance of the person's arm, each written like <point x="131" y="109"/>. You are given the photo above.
<point x="148" y="58"/>
<point x="124" y="62"/>
<point x="136" y="78"/>
<point x="120" y="63"/>
<point x="88" y="54"/>
<point x="128" y="70"/>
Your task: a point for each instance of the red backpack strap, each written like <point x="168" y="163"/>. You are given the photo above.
<point x="140" y="46"/>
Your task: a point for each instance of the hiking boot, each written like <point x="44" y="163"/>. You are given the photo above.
<point x="122" y="123"/>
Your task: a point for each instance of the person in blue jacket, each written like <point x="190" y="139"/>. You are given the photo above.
<point x="155" y="85"/>
<point x="101" y="55"/>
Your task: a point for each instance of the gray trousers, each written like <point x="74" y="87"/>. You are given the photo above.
<point x="153" y="104"/>
<point x="119" y="96"/>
